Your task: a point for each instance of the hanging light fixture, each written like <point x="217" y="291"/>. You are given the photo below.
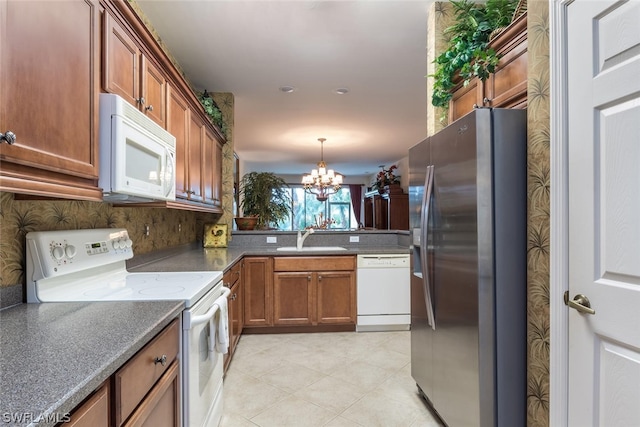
<point x="322" y="182"/>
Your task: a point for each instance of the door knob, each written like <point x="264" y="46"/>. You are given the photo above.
<point x="579" y="302"/>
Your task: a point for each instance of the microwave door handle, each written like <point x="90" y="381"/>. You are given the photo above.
<point x="169" y="172"/>
<point x="424" y="255"/>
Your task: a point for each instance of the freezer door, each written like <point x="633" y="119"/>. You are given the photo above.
<point x="455" y="263"/>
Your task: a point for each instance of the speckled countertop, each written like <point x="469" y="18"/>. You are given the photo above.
<point x="53" y="355"/>
<point x="194" y="257"/>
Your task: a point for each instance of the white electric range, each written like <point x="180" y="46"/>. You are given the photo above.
<point x="90" y="265"/>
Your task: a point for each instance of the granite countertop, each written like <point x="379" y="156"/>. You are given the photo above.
<point x="194" y="257"/>
<point x="53" y="355"/>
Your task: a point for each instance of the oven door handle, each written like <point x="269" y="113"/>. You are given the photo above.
<point x="196" y="320"/>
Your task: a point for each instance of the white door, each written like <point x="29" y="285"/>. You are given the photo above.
<point x="603" y="101"/>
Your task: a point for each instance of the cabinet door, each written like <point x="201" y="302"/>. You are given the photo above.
<point x="336" y="297"/>
<point x="293" y="298"/>
<point x="154" y="92"/>
<point x="465" y="99"/>
<point x="217" y="175"/>
<point x="212" y="169"/>
<point x="161" y="407"/>
<point x="49" y="86"/>
<point x="258" y="300"/>
<point x="122" y="62"/>
<point x="94" y="412"/>
<point x="237" y="322"/>
<point x="507" y="87"/>
<point x="178" y="126"/>
<point x="196" y="158"/>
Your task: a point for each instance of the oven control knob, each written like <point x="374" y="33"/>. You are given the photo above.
<point x="57" y="252"/>
<point x="115" y="244"/>
<point x="128" y="243"/>
<point x="70" y="251"/>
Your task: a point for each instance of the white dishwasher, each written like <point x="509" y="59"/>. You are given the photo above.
<point x="384" y="301"/>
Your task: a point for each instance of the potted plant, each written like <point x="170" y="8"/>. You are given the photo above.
<point x="263" y="196"/>
<point x="386" y="178"/>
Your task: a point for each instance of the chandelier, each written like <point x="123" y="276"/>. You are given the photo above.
<point x="322" y="182"/>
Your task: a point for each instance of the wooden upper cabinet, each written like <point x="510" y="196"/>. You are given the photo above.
<point x="178" y="126"/>
<point x="507" y="87"/>
<point x="195" y="176"/>
<point x="129" y="73"/>
<point x="49" y="86"/>
<point x="154" y="92"/>
<point x="212" y="169"/>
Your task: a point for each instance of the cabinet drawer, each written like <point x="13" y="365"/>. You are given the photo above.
<point x="134" y="380"/>
<point x="329" y="263"/>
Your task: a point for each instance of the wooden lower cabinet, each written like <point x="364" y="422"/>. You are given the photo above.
<point x="293" y="298"/>
<point x="314" y="290"/>
<point x="336" y="297"/>
<point x="233" y="280"/>
<point x="258" y="286"/>
<point x="160" y="407"/>
<point x="145" y="391"/>
<point x="94" y="412"/>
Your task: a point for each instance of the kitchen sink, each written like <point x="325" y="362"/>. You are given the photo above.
<point x="311" y="248"/>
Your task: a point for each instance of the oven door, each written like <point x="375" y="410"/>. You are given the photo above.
<point x="202" y="366"/>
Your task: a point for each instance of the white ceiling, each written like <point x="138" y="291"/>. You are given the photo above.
<point x="375" y="48"/>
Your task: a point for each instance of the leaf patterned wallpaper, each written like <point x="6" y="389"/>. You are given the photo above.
<point x="539" y="186"/>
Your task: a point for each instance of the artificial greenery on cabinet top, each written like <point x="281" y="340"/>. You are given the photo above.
<point x="213" y="111"/>
<point x="468" y="54"/>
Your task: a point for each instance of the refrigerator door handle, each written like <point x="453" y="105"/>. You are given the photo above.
<point x="424" y="256"/>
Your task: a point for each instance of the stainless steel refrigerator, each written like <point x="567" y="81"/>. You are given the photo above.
<point x="468" y="202"/>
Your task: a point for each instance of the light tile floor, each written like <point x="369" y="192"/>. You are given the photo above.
<point x="340" y="379"/>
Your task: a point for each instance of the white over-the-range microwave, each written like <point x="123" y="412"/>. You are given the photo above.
<point x="137" y="156"/>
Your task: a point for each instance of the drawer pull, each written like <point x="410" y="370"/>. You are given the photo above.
<point x="161" y="360"/>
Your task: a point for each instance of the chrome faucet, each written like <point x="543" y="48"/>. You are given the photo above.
<point x="301" y="238"/>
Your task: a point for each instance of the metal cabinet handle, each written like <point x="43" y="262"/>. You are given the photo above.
<point x="161" y="360"/>
<point x="149" y="108"/>
<point x="309" y="278"/>
<point x="9" y="137"/>
<point x="319" y="278"/>
<point x="486" y="101"/>
<point x="140" y="100"/>
<point x="580" y="303"/>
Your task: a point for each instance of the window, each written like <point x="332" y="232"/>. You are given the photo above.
<point x="308" y="211"/>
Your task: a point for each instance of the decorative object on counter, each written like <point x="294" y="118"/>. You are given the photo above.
<point x="213" y="111"/>
<point x="320" y="223"/>
<point x="215" y="236"/>
<point x="467" y="55"/>
<point x="264" y="195"/>
<point x="386" y="178"/>
<point x="322" y="182"/>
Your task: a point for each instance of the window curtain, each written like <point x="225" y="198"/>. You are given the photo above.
<point x="356" y="201"/>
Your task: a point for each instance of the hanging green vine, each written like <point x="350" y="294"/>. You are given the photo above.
<point x="213" y="111"/>
<point x="468" y="54"/>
